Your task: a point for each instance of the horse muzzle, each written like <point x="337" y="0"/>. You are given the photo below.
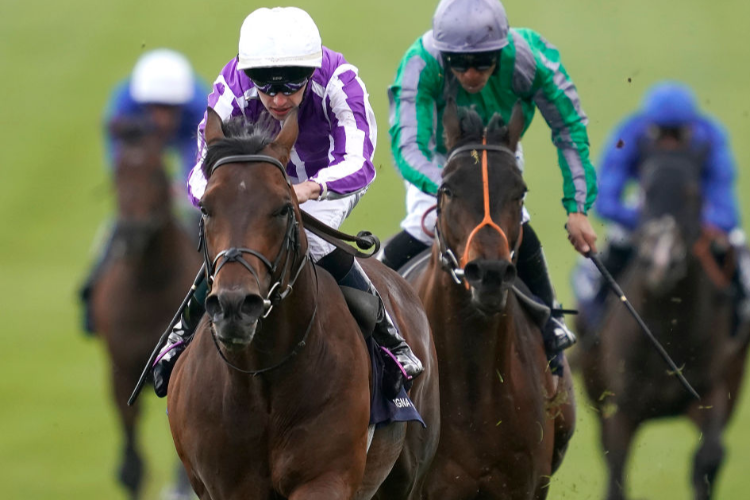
<point x="235" y="315"/>
<point x="490" y="281"/>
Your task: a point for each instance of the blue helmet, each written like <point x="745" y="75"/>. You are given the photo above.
<point x="470" y="26"/>
<point x="670" y="104"/>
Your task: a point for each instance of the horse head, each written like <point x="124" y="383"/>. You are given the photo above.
<point x="671" y="216"/>
<point x="250" y="223"/>
<point x="480" y="204"/>
<point x="141" y="183"/>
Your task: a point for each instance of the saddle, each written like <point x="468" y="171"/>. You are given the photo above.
<point x="383" y="411"/>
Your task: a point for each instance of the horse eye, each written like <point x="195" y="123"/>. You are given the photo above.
<point x="446" y="191"/>
<point x="204" y="211"/>
<point x="284" y="211"/>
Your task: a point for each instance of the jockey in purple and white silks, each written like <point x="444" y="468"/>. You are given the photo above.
<point x="282" y="65"/>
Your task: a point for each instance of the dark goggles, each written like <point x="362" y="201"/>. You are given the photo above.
<point x="461" y="62"/>
<point x="272" y="81"/>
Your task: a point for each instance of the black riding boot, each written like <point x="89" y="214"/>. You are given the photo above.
<point x="178" y="340"/>
<point x="400" y="249"/>
<point x="347" y="272"/>
<point x="532" y="269"/>
<point x="87" y="288"/>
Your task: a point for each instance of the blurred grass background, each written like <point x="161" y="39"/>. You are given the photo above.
<point x="59" y="60"/>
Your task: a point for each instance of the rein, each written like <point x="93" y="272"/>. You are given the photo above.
<point x="447" y="256"/>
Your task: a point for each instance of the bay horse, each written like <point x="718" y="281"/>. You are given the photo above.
<point x="505" y="419"/>
<point x="148" y="268"/>
<point x="682" y="294"/>
<point x="272" y="397"/>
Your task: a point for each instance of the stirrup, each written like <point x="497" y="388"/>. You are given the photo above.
<point x="558" y="336"/>
<point x="161" y="370"/>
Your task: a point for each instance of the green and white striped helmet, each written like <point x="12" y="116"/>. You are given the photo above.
<point x="470" y="26"/>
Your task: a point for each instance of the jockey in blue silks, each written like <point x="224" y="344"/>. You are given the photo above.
<point x="164" y="91"/>
<point x="670" y="107"/>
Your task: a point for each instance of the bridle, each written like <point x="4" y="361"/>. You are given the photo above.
<point x="447" y="257"/>
<point x="289" y="246"/>
<point x="288" y="252"/>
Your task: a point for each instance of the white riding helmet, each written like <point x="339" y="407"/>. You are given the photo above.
<point x="162" y="76"/>
<point x="282" y="36"/>
<point x="470" y="26"/>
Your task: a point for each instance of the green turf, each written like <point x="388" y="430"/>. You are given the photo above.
<point x="58" y="61"/>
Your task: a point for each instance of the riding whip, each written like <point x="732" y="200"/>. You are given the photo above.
<point x="147" y="369"/>
<point x="620" y="295"/>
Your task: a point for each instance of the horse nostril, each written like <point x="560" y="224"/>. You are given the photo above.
<point x="213" y="307"/>
<point x="253" y="306"/>
<point x="472" y="272"/>
<point x="510" y="274"/>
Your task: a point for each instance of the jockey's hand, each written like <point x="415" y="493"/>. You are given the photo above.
<point x="307" y="190"/>
<point x="580" y="233"/>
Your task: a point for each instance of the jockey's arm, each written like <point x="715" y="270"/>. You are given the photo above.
<point x="720" y="203"/>
<point x="353" y="135"/>
<point x="617" y="168"/>
<point x="557" y="99"/>
<point x="412" y="108"/>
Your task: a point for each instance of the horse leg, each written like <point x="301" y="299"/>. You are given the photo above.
<point x="710" y="417"/>
<point x="131" y="466"/>
<point x="617" y="434"/>
<point x="564" y="415"/>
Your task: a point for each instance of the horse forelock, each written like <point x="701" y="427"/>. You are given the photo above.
<point x="241" y="137"/>
<point x="473" y="131"/>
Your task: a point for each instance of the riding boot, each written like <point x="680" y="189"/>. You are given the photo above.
<point x="386" y="335"/>
<point x="532" y="269"/>
<point x="178" y="340"/>
<point x="400" y="249"/>
<point x="87" y="288"/>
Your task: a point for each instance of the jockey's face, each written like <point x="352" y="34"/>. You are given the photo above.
<point x="165" y="117"/>
<point x="280" y="105"/>
<point x="473" y="80"/>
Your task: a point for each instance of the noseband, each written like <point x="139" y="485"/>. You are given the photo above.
<point x="447" y="256"/>
<point x="289" y="247"/>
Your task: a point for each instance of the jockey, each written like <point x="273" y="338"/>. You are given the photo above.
<point x="282" y="65"/>
<point x="494" y="66"/>
<point x="670" y="108"/>
<point x="162" y="90"/>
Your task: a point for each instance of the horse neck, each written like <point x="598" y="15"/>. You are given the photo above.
<point x="161" y="255"/>
<point x="484" y="344"/>
<point x="686" y="315"/>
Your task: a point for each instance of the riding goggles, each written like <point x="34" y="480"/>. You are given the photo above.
<point x="461" y="62"/>
<point x="272" y="81"/>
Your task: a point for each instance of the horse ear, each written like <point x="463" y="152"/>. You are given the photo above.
<point x="213" y="131"/>
<point x="515" y="126"/>
<point x="288" y="134"/>
<point x="451" y="125"/>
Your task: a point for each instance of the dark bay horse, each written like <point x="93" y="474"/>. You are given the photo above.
<point x="682" y="294"/>
<point x="271" y="399"/>
<point x="505" y="419"/>
<point x="150" y="264"/>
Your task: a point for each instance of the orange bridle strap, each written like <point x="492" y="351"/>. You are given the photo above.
<point x="487" y="221"/>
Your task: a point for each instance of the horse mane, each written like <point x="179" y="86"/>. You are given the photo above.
<point x="241" y="137"/>
<point x="473" y="130"/>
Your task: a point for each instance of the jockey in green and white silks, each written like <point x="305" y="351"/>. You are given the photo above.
<point x="473" y="56"/>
